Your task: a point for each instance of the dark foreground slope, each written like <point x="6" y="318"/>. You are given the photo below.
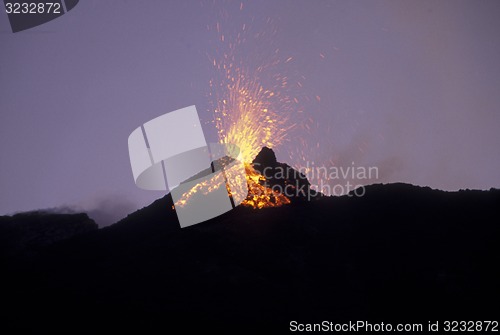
<point x="398" y="253"/>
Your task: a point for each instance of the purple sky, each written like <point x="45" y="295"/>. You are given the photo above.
<point x="412" y="87"/>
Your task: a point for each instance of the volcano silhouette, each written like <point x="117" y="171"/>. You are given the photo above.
<point x="400" y="253"/>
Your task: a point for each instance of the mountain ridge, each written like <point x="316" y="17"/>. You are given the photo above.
<point x="399" y="253"/>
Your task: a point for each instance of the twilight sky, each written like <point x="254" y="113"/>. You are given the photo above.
<point x="411" y="87"/>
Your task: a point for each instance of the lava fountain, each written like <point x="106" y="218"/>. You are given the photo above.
<point x="248" y="115"/>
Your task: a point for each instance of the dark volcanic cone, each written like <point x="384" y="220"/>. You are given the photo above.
<point x="283" y="178"/>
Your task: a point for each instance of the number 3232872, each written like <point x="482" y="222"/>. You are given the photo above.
<point x="32" y="8"/>
<point x="470" y="326"/>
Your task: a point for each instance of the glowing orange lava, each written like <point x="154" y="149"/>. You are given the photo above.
<point x="260" y="196"/>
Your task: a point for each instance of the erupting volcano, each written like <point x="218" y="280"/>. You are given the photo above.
<point x="246" y="116"/>
<point x="269" y="183"/>
<point x="252" y="108"/>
